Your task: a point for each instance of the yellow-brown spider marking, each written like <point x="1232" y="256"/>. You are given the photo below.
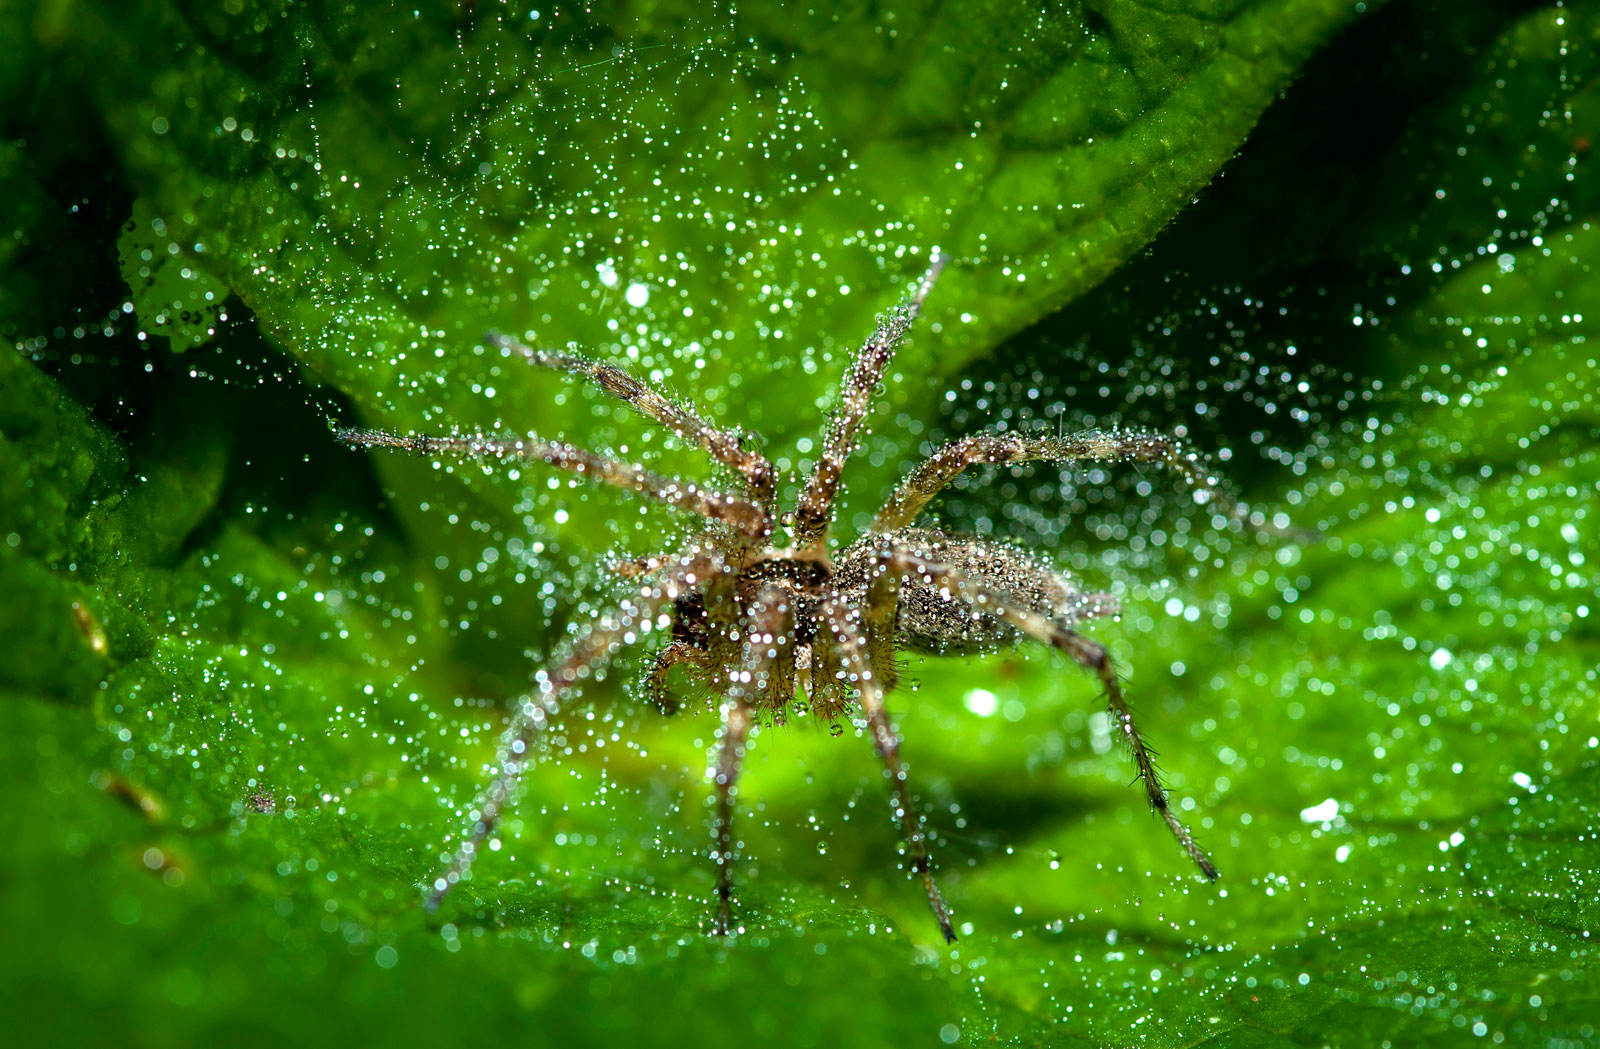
<point x="758" y="622"/>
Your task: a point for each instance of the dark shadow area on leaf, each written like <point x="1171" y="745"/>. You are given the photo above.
<point x="1281" y="279"/>
<point x="234" y="419"/>
<point x="1012" y="812"/>
<point x="66" y="197"/>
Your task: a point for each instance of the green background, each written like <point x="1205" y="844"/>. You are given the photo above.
<point x="249" y="679"/>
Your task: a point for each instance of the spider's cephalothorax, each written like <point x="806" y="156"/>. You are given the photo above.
<point x="758" y="624"/>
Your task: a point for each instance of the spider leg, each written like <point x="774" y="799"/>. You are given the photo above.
<point x="777" y="687"/>
<point x="742" y="514"/>
<point x="939" y="469"/>
<point x="1093" y="656"/>
<point x="878" y="614"/>
<point x="815" y="511"/>
<point x="826" y="691"/>
<point x="768" y="626"/>
<point x="1085" y="652"/>
<point x="725" y="777"/>
<point x="886" y="740"/>
<point x="552" y="689"/>
<point x="725" y="446"/>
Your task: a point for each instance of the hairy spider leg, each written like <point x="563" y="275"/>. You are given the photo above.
<point x="852" y="654"/>
<point x="939" y="469"/>
<point x="552" y="688"/>
<point x="827" y="690"/>
<point x="725" y="778"/>
<point x="733" y="510"/>
<point x="725" y="446"/>
<point x="879" y="613"/>
<point x="782" y="680"/>
<point x="1087" y="653"/>
<point x="815" y="511"/>
<point x="769" y="629"/>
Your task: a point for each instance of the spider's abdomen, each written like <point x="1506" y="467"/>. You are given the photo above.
<point x="933" y="625"/>
<point x="932" y="621"/>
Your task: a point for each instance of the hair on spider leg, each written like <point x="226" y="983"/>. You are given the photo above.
<point x="814" y="628"/>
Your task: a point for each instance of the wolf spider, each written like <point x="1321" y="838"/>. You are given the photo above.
<point x="755" y="620"/>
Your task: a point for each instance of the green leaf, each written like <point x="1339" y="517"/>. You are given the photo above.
<point x="179" y="298"/>
<point x="249" y="679"/>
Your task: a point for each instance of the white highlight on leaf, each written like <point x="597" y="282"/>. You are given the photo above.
<point x="1324" y="812"/>
<point x="982" y="702"/>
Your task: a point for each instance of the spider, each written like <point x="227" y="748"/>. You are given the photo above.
<point x="756" y="620"/>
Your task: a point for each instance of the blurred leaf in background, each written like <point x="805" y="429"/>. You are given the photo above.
<point x="251" y="680"/>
